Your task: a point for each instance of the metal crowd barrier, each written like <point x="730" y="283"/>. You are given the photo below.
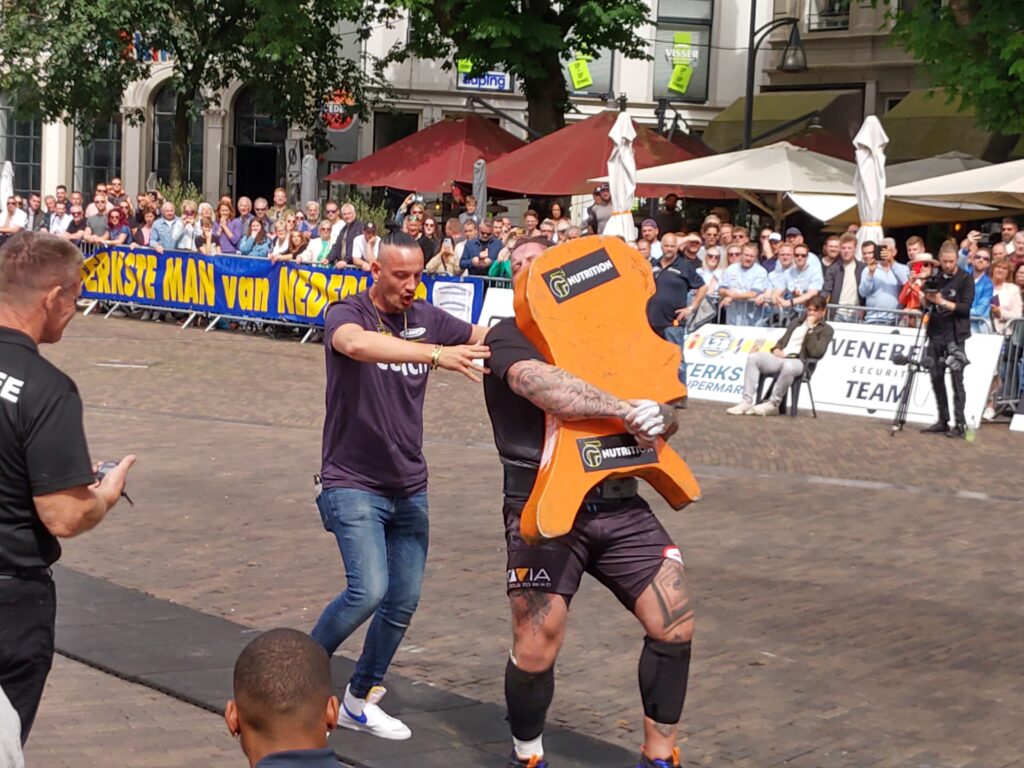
<point x="1011" y="367"/>
<point x="904" y="318"/>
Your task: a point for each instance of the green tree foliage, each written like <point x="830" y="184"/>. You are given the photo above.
<point x="973" y="49"/>
<point x="72" y="60"/>
<point x="532" y="39"/>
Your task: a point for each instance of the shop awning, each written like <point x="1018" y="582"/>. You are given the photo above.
<point x="431" y="159"/>
<point x="927" y="123"/>
<point x="564" y="162"/>
<point x="778" y="114"/>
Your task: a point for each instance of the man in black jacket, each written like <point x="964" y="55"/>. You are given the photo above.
<point x="949" y="327"/>
<point x="806" y="338"/>
<point x="842" y="279"/>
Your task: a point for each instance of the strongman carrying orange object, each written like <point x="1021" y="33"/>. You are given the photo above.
<point x="579" y="396"/>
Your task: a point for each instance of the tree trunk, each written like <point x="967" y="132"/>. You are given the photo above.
<point x="547" y="97"/>
<point x="179" y="141"/>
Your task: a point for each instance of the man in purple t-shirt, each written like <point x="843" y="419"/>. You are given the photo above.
<point x="380" y="346"/>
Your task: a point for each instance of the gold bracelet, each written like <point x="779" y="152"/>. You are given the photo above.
<point x="435" y="358"/>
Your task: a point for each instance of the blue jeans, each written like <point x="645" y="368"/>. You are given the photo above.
<point x="677" y="335"/>
<point x="383" y="543"/>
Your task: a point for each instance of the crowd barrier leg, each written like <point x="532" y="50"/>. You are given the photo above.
<point x="114" y="307"/>
<point x="190" y="320"/>
<point x="213" y="323"/>
<point x="92" y="305"/>
<point x="308" y="335"/>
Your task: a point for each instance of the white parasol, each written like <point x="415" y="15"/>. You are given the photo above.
<point x="869" y="180"/>
<point x="622" y="179"/>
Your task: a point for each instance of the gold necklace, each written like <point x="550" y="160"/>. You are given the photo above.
<point x="384" y="330"/>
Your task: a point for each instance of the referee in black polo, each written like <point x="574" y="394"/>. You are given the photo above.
<point x="47" y="488"/>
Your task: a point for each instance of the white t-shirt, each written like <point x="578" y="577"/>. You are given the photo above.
<point x="360" y="249"/>
<point x="796" y="341"/>
<point x="336" y="228"/>
<point x="849" y="293"/>
<point x="17" y="219"/>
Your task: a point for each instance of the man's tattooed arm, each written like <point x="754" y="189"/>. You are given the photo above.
<point x="561" y="394"/>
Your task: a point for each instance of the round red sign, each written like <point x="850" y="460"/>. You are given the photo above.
<point x="335" y="112"/>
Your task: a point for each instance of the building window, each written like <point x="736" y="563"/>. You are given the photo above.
<point x="163" y="131"/>
<point x="100" y="159"/>
<point x="21" y="143"/>
<point x="389" y="127"/>
<point x="828" y="15"/>
<point x="682" y="50"/>
<point x="600" y="67"/>
<point x="253" y="126"/>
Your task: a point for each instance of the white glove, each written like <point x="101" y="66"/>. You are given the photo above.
<point x="646" y="419"/>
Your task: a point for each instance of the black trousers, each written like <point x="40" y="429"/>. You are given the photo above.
<point x="938" y="350"/>
<point x="28" y="609"/>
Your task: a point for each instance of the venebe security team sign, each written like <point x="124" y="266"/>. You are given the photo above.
<point x="248" y="288"/>
<point x="856" y="376"/>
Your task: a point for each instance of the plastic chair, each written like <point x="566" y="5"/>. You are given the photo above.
<point x="767" y="381"/>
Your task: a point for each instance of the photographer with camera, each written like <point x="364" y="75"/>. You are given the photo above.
<point x="48" y="485"/>
<point x="947" y="297"/>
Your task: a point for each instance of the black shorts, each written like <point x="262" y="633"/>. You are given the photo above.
<point x="621" y="544"/>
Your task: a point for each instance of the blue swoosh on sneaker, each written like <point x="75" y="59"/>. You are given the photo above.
<point x="361" y="719"/>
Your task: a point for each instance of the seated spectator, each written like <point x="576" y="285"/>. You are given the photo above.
<point x="806" y="338"/>
<point x="445" y="262"/>
<point x="479" y="254"/>
<point x="365" y="247"/>
<point x="283" y="709"/>
<point x="842" y="279"/>
<point x="205" y="242"/>
<point x="319" y="247"/>
<point x="981" y="307"/>
<point x="880" y="283"/>
<point x="741" y="284"/>
<point x="118" y="231"/>
<point x="75" y="231"/>
<point x="60" y="220"/>
<point x="227" y="229"/>
<point x="144" y="230"/>
<point x="256" y="243"/>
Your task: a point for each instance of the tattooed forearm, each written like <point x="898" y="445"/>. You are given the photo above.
<point x="561" y="394"/>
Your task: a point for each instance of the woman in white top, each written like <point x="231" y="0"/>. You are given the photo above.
<point x="319" y="247"/>
<point x="280" y="245"/>
<point x="711" y="271"/>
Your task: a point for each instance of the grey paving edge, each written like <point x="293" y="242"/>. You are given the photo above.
<point x="189" y="655"/>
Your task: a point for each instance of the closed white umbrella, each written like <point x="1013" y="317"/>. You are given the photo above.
<point x="309" y="180"/>
<point x="6" y="182"/>
<point x="869" y="180"/>
<point x="480" y="185"/>
<point x="622" y="179"/>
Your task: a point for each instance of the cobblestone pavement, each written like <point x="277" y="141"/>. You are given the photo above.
<point x="857" y="596"/>
<point x="88" y="718"/>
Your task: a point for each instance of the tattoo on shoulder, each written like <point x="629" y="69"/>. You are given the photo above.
<point x="670" y="590"/>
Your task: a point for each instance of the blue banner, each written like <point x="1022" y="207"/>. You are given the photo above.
<point x="248" y="288"/>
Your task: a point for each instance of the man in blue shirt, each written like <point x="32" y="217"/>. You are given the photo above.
<point x="283" y="707"/>
<point x="881" y="283"/>
<point x="741" y="284"/>
<point x="981" y="307"/>
<point x="167" y="230"/>
<point x="479" y="254"/>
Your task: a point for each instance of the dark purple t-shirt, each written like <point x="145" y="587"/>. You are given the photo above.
<point x="373" y="430"/>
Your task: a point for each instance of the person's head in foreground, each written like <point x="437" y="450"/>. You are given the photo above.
<point x="283" y="700"/>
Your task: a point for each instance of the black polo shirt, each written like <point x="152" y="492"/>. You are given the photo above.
<point x="42" y="448"/>
<point x="672" y="284"/>
<point x="518" y="423"/>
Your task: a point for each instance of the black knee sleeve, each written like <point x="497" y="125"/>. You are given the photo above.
<point x="528" y="696"/>
<point x="664" y="671"/>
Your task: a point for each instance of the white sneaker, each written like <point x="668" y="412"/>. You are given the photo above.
<point x="740" y="408"/>
<point x="767" y="408"/>
<point x="989" y="414"/>
<point x="374" y="720"/>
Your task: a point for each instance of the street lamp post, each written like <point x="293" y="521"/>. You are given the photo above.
<point x="794" y="59"/>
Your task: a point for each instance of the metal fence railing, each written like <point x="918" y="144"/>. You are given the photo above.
<point x="1010" y="378"/>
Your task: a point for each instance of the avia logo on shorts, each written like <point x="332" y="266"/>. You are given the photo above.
<point x="412" y="333"/>
<point x="528" y="577"/>
<point x="580" y="275"/>
<point x="613" y="452"/>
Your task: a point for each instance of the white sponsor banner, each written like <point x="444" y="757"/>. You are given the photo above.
<point x="454" y="298"/>
<point x="856" y="376"/>
<point x="497" y="305"/>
